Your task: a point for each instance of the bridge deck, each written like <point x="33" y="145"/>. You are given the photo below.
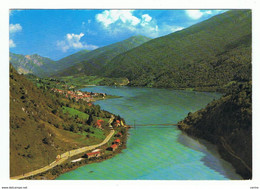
<point x="165" y="124"/>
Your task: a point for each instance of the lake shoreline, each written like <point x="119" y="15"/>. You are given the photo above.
<point x="134" y="99"/>
<point x="224" y="154"/>
<point x="210" y="150"/>
<point x="69" y="166"/>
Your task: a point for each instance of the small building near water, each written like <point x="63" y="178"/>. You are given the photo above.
<point x="93" y="154"/>
<point x="112" y="147"/>
<point x="116" y="141"/>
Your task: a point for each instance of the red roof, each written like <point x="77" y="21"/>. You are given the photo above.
<point x="117" y="121"/>
<point x="99" y="122"/>
<point x="93" y="153"/>
<point x="117" y="140"/>
<point x="114" y="146"/>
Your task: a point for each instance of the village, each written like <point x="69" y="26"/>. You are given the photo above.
<point x="79" y="95"/>
<point x="114" y="125"/>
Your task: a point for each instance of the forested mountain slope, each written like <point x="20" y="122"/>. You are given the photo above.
<point x="227" y="122"/>
<point x="92" y="62"/>
<point x="206" y="55"/>
<point x="72" y="59"/>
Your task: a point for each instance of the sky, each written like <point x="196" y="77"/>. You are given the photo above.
<point x="58" y="33"/>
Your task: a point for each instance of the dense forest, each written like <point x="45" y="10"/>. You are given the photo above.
<point x="205" y="56"/>
<point x="227" y="122"/>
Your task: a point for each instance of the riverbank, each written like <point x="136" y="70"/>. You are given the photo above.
<point x="69" y="165"/>
<point x="227" y="123"/>
<point x="241" y="168"/>
<point x="212" y="157"/>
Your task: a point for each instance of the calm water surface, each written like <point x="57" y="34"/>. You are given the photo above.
<point x="156" y="152"/>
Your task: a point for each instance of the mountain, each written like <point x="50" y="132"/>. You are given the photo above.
<point x="92" y="62"/>
<point x="227" y="122"/>
<point x="204" y="56"/>
<point x="73" y="59"/>
<point x="35" y="64"/>
<point x="42" y="66"/>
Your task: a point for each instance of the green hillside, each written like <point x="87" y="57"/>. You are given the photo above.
<point x="92" y="62"/>
<point x="73" y="59"/>
<point x="44" y="124"/>
<point x="204" y="56"/>
<point x="227" y="122"/>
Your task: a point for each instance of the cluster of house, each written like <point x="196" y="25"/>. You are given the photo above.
<point x="98" y="152"/>
<point x="114" y="145"/>
<point x="77" y="95"/>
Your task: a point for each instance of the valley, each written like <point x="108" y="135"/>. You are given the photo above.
<point x="199" y="78"/>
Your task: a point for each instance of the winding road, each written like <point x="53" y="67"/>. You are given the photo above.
<point x="66" y="155"/>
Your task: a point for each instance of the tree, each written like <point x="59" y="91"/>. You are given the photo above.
<point x="54" y="111"/>
<point x="90" y="120"/>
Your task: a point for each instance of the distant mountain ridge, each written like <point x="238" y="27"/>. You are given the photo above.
<point x="42" y="66"/>
<point x="81" y="62"/>
<point x="32" y="64"/>
<point x="211" y="53"/>
<point x="92" y="62"/>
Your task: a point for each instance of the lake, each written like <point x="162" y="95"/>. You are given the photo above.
<point x="156" y="152"/>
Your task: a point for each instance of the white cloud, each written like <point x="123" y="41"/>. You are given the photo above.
<point x="120" y="21"/>
<point x="109" y="17"/>
<point x="197" y="14"/>
<point x="13" y="28"/>
<point x="194" y="14"/>
<point x="208" y="12"/>
<point x="145" y="20"/>
<point x="115" y="22"/>
<point x="176" y="28"/>
<point x="146" y="17"/>
<point x="72" y="41"/>
<point x="11" y="43"/>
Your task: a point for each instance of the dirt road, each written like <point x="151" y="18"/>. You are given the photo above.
<point x="65" y="156"/>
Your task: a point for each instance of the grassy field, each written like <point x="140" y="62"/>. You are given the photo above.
<point x="74" y="112"/>
<point x="79" y="139"/>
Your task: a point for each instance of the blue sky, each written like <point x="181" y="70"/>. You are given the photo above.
<point x="58" y="33"/>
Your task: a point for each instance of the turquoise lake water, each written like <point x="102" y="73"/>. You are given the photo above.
<point x="156" y="152"/>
